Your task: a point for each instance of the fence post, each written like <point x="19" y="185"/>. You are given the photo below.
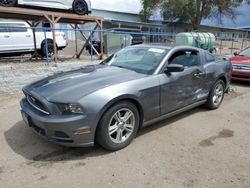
<point x="46" y="46"/>
<point x="91" y="45"/>
<point x="221" y="45"/>
<point x="242" y="43"/>
<point x="232" y="47"/>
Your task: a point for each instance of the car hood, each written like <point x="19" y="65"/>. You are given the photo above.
<point x="243" y="60"/>
<point x="73" y="85"/>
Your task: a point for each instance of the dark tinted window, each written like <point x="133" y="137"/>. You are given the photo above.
<point x="3" y="28"/>
<point x="209" y="57"/>
<point x="185" y="58"/>
<point x="17" y="28"/>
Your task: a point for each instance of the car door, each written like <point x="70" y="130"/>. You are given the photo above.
<point x="22" y="37"/>
<point x="6" y="43"/>
<point x="181" y="89"/>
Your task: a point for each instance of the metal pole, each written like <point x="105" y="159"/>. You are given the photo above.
<point x="220" y="45"/>
<point x="91" y="44"/>
<point x="46" y="47"/>
<point x="242" y="42"/>
<point x="76" y="45"/>
<point x="232" y="44"/>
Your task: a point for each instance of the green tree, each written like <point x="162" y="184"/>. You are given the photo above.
<point x="192" y="11"/>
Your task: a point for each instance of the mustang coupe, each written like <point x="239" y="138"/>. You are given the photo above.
<point x="136" y="87"/>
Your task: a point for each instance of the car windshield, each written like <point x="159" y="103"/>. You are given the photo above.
<point x="143" y="60"/>
<point x="245" y="52"/>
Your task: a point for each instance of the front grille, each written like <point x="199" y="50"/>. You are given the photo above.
<point x="241" y="67"/>
<point x="241" y="76"/>
<point x="35" y="103"/>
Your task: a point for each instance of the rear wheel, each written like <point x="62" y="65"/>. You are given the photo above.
<point x="80" y="7"/>
<point x="8" y="3"/>
<point x="216" y="95"/>
<point x="50" y="50"/>
<point x="118" y="126"/>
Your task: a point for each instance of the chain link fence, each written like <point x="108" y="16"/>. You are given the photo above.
<point x="87" y="44"/>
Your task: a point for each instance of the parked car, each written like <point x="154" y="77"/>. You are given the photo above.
<point x="78" y="6"/>
<point x="241" y="65"/>
<point x="17" y="38"/>
<point x="136" y="87"/>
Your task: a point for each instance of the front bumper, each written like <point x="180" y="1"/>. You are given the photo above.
<point x="58" y="129"/>
<point x="241" y="75"/>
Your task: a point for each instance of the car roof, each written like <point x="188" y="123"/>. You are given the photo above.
<point x="161" y="46"/>
<point x="11" y="21"/>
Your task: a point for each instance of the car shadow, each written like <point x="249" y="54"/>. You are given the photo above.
<point x="240" y="83"/>
<point x="171" y="120"/>
<point x="23" y="141"/>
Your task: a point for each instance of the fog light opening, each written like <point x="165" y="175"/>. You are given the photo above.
<point x="82" y="131"/>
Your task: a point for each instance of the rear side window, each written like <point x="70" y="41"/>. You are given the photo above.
<point x="17" y="27"/>
<point x="209" y="58"/>
<point x="187" y="58"/>
<point x="3" y="28"/>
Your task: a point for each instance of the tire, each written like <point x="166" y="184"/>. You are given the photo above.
<point x="114" y="132"/>
<point x="216" y="95"/>
<point x="80" y="7"/>
<point x="8" y="3"/>
<point x="50" y="50"/>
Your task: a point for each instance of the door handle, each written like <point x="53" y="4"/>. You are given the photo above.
<point x="6" y="36"/>
<point x="28" y="35"/>
<point x="200" y="74"/>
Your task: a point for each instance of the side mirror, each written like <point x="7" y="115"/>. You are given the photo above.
<point x="236" y="53"/>
<point x="174" y="68"/>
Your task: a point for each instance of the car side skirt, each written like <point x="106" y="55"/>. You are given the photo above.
<point x="171" y="114"/>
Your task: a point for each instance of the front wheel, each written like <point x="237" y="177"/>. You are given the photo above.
<point x="216" y="95"/>
<point x="80" y="7"/>
<point x="8" y="3"/>
<point x="118" y="126"/>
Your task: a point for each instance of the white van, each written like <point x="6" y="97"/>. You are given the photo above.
<point x="17" y="38"/>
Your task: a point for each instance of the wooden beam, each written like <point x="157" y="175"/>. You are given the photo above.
<point x="32" y="15"/>
<point x="88" y="42"/>
<point x="34" y="24"/>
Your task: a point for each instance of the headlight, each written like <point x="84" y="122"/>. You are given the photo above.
<point x="71" y="109"/>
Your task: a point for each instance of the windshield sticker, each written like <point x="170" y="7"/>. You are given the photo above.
<point x="156" y="50"/>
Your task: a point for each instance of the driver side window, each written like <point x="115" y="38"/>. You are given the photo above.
<point x="187" y="58"/>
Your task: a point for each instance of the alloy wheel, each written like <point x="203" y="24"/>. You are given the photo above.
<point x="218" y="94"/>
<point x="121" y="125"/>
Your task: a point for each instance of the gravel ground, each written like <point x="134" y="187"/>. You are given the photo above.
<point x="198" y="149"/>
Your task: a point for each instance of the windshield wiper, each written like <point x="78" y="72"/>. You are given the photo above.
<point x="119" y="66"/>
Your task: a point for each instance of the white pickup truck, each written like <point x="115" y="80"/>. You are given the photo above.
<point x="17" y="38"/>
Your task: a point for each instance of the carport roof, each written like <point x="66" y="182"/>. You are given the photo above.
<point x="40" y="15"/>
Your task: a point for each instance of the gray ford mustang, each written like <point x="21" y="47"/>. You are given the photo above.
<point x="136" y="87"/>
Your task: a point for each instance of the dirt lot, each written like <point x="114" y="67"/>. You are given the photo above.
<point x="198" y="149"/>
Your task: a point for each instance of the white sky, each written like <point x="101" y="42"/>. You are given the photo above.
<point x="129" y="6"/>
